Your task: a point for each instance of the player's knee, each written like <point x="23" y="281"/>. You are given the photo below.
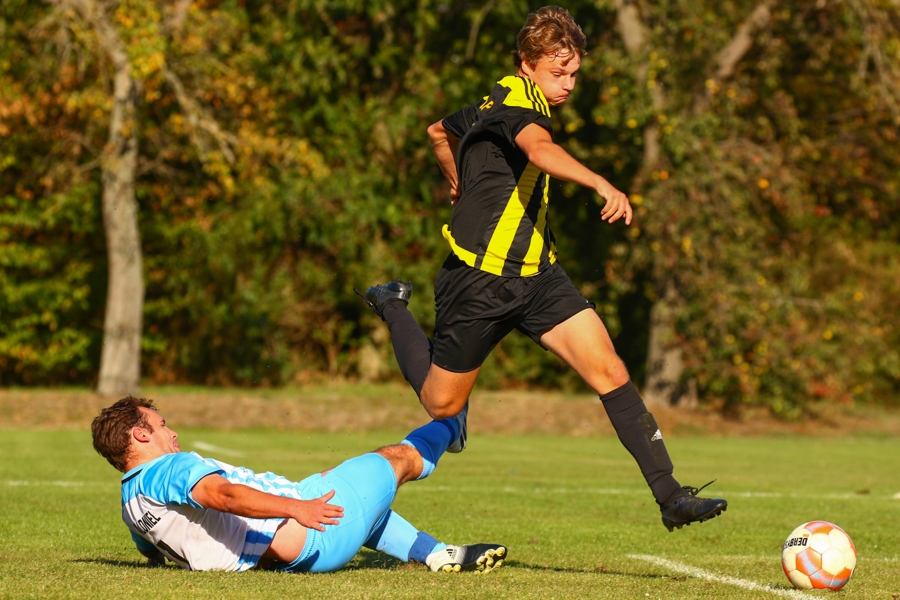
<point x="609" y="375"/>
<point x="617" y="374"/>
<point x="441" y="405"/>
<point x="441" y="412"/>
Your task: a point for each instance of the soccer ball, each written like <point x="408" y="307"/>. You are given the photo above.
<point x="818" y="555"/>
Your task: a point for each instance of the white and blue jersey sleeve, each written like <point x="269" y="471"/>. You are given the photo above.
<point x="158" y="508"/>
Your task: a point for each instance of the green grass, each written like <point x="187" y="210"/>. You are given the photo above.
<point x="574" y="512"/>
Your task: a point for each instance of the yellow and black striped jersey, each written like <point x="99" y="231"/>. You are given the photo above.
<point x="500" y="224"/>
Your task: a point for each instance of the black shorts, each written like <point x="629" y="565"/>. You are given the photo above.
<point x="476" y="309"/>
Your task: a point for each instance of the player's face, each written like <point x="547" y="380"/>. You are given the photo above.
<point x="163" y="438"/>
<point x="555" y="75"/>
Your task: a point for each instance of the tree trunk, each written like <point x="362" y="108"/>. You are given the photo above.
<point x="120" y="360"/>
<point x="665" y="364"/>
<point x="665" y="384"/>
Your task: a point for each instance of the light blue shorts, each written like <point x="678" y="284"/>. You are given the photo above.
<point x="365" y="487"/>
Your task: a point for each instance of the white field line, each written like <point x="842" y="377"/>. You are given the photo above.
<point x="746" y="557"/>
<point x="709" y="576"/>
<point x="217" y="449"/>
<point x="18" y="483"/>
<point x="509" y="489"/>
<point x="512" y="489"/>
<point x="506" y="489"/>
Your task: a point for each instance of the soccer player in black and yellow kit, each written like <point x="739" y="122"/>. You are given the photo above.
<point x="502" y="273"/>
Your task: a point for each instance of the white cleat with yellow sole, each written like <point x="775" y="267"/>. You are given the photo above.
<point x="482" y="558"/>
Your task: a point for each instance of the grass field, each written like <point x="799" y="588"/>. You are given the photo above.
<point x="578" y="520"/>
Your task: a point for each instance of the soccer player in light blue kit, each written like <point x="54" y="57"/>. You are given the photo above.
<point x="206" y="515"/>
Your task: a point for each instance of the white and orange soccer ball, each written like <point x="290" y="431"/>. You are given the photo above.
<point x="818" y="555"/>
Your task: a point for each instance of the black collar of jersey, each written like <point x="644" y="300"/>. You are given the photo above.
<point x="132" y="476"/>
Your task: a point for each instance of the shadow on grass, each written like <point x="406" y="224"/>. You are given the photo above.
<point x="365" y="561"/>
<point x="134" y="564"/>
<point x="373" y="560"/>
<point x="597" y="571"/>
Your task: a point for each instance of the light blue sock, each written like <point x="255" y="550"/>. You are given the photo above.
<point x="431" y="441"/>
<point x="397" y="537"/>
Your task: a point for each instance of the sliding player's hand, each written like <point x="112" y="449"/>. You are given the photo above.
<point x="315" y="514"/>
<point x="157" y="560"/>
<point x="617" y="204"/>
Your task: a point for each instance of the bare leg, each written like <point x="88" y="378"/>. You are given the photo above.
<point x="405" y="460"/>
<point x="419" y="452"/>
<point x="398" y="538"/>
<point x="445" y="393"/>
<point x="583" y="342"/>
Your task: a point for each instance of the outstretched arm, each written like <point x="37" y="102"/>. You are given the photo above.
<point x="550" y="158"/>
<point x="216" y="492"/>
<point x="444" y="145"/>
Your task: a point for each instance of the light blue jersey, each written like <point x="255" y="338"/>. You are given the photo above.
<point x="158" y="508"/>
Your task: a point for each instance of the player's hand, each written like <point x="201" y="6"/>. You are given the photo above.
<point x="617" y="204"/>
<point x="454" y="194"/>
<point x="157" y="561"/>
<point x="315" y="514"/>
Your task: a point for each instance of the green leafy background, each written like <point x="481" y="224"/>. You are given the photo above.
<point x="303" y="169"/>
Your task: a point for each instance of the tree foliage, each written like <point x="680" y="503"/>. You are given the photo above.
<point x="284" y="160"/>
<point x="775" y="200"/>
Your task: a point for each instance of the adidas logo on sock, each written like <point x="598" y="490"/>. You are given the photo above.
<point x="656" y="436"/>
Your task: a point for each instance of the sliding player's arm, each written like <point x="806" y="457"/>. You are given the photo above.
<point x="552" y="159"/>
<point x="216" y="492"/>
<point x="155" y="558"/>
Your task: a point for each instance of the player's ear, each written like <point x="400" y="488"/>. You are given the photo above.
<point x="140" y="434"/>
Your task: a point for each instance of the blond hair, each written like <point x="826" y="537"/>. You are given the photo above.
<point x="549" y="31"/>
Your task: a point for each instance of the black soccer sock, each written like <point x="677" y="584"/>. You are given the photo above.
<point x="412" y="347"/>
<point x="640" y="435"/>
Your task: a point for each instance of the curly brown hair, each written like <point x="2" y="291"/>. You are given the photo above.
<point x="111" y="429"/>
<point x="548" y="31"/>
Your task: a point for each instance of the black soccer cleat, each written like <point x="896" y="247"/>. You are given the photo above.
<point x="394" y="292"/>
<point x="482" y="558"/>
<point x="687" y="508"/>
